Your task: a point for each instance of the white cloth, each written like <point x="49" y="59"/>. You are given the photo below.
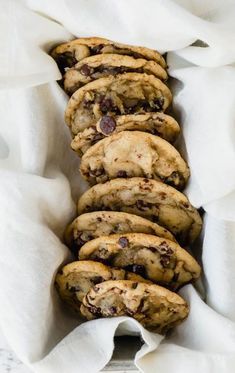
<point x="40" y="181"/>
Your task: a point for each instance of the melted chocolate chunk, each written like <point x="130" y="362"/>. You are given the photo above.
<point x="73" y="289"/>
<point x="112" y="310"/>
<point x="107" y="125"/>
<point x="96" y="49"/>
<point x="86" y="70"/>
<point x="137" y="268"/>
<point x="65" y="60"/>
<point x="165" y="260"/>
<point x="97" y="279"/>
<point x="121" y="173"/>
<point x="78" y="243"/>
<point x="141" y="205"/>
<point x="97" y="172"/>
<point x="164" y="248"/>
<point x="123" y="242"/>
<point x="106" y="104"/>
<point x="87" y="104"/>
<point x="175" y="179"/>
<point x="94" y="310"/>
<point x="153" y="249"/>
<point x="158" y="103"/>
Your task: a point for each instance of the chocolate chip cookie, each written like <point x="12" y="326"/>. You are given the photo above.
<point x="155" y="258"/>
<point x="158" y="124"/>
<point x="75" y="279"/>
<point x="155" y="307"/>
<point x="101" y="65"/>
<point x="134" y="153"/>
<point x="68" y="54"/>
<point x="151" y="199"/>
<point x="126" y="93"/>
<point x="88" y="226"/>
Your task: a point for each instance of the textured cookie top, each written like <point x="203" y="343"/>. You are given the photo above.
<point x="68" y="54"/>
<point x="155" y="258"/>
<point x="121" y="94"/>
<point x="155" y="307"/>
<point x="159" y="124"/>
<point x="102" y="223"/>
<point x="148" y="198"/>
<point x="102" y="65"/>
<point x="75" y="279"/>
<point x="134" y="153"/>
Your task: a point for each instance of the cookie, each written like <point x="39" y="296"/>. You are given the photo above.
<point x="155" y="307"/>
<point x="134" y="153"/>
<point x="151" y="199"/>
<point x="75" y="279"/>
<point x="101" y="65"/>
<point x="159" y="124"/>
<point x="68" y="54"/>
<point x="155" y="258"/>
<point x="121" y="94"/>
<point x="88" y="226"/>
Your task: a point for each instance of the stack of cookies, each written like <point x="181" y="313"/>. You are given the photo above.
<point x="134" y="220"/>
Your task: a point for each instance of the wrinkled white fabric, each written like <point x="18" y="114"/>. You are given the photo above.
<point x="40" y="182"/>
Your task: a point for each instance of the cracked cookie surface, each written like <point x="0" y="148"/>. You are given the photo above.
<point x="68" y="54"/>
<point x="154" y="258"/>
<point x="103" y="65"/>
<point x="151" y="199"/>
<point x="155" y="307"/>
<point x="159" y="124"/>
<point x="134" y="153"/>
<point x="126" y="93"/>
<point x="75" y="279"/>
<point x="92" y="225"/>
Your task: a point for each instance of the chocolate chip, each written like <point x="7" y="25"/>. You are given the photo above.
<point x="97" y="279"/>
<point x="134" y="285"/>
<point x="121" y="173"/>
<point x="153" y="249"/>
<point x="123" y="242"/>
<point x="78" y="243"/>
<point x="65" y="60"/>
<point x="141" y="205"/>
<point x="106" y="104"/>
<point x="165" y="260"/>
<point x="94" y="310"/>
<point x="99" y="219"/>
<point x="73" y="289"/>
<point x="87" y="104"/>
<point x="158" y="103"/>
<point x="107" y="125"/>
<point x="165" y="249"/>
<point x="97" y="49"/>
<point x="112" y="310"/>
<point x="96" y="172"/>
<point x="86" y="70"/>
<point x="136" y="268"/>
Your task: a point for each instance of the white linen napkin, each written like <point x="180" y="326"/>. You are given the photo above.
<point x="40" y="180"/>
